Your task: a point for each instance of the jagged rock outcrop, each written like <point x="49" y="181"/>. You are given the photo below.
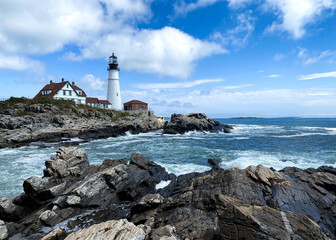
<point x="300" y="198"/>
<point x="180" y="124"/>
<point x="71" y="185"/>
<point x="77" y="200"/>
<point x="22" y="124"/>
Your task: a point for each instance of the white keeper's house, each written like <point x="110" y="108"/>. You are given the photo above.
<point x="69" y="91"/>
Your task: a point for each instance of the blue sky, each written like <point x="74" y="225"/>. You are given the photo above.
<point x="226" y="58"/>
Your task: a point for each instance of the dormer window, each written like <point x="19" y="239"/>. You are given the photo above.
<point x="79" y="92"/>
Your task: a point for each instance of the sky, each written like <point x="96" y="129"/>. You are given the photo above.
<point x="225" y="58"/>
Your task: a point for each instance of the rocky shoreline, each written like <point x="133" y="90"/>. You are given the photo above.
<point x="22" y="124"/>
<point x="122" y="199"/>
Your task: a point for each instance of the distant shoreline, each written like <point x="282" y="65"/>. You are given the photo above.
<point x="247" y="118"/>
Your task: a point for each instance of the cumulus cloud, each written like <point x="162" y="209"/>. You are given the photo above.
<point x="294" y="15"/>
<point x="167" y="51"/>
<point x="97" y="28"/>
<point x="22" y="63"/>
<point x="92" y="83"/>
<point x="318" y="75"/>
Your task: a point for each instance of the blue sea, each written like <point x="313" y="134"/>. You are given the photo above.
<point x="276" y="142"/>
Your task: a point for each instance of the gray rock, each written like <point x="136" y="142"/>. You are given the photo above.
<point x="49" y="218"/>
<point x="9" y="211"/>
<point x="57" y="234"/>
<point x="3" y="230"/>
<point x="34" y="185"/>
<point x="180" y="124"/>
<point x="146" y="202"/>
<point x="164" y="233"/>
<point x="112" y="230"/>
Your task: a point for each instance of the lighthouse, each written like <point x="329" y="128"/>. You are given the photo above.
<point x="113" y="90"/>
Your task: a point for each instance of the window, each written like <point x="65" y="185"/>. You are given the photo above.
<point x="117" y="94"/>
<point x="70" y="93"/>
<point x="136" y="106"/>
<point x="79" y="92"/>
<point x="64" y="92"/>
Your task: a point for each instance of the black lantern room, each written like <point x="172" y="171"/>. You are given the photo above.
<point x="113" y="63"/>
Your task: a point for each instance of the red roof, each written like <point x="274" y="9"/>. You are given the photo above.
<point x="55" y="88"/>
<point x="96" y="100"/>
<point x="104" y="102"/>
<point x="135" y="101"/>
<point x="77" y="88"/>
<point x="92" y="100"/>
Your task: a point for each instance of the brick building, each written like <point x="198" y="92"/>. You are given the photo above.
<point x="135" y="105"/>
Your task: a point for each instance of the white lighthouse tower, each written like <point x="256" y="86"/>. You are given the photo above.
<point x="113" y="90"/>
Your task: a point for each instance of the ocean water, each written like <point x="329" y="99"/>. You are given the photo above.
<point x="276" y="143"/>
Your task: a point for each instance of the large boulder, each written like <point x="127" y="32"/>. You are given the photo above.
<point x="112" y="230"/>
<point x="180" y="124"/>
<point x="10" y="211"/>
<point x="68" y="161"/>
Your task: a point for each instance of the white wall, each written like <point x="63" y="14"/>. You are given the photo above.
<point x="113" y="90"/>
<point x="68" y="89"/>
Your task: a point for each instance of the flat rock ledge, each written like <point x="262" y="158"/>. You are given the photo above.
<point x="180" y="124"/>
<point x="118" y="200"/>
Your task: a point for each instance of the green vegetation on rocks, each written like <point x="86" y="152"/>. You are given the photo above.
<point x="120" y="115"/>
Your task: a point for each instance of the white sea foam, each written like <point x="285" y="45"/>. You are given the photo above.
<point x="162" y="184"/>
<point x="276" y="160"/>
<point x="180" y="169"/>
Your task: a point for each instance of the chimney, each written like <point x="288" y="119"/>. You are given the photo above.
<point x="73" y="83"/>
<point x="50" y="81"/>
<point x="62" y="79"/>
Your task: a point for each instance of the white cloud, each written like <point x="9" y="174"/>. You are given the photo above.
<point x="318" y="75"/>
<point x="294" y="15"/>
<point x="22" y="63"/>
<point x="19" y="63"/>
<point x="92" y="83"/>
<point x="278" y="57"/>
<point x="273" y="76"/>
<point x="239" y="35"/>
<point x="183" y="8"/>
<point x="97" y="28"/>
<point x="167" y="51"/>
<point x="310" y="58"/>
<point x="235" y="86"/>
<point x="176" y="84"/>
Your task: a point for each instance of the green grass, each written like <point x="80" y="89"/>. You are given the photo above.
<point x="61" y="104"/>
<point x="23" y="114"/>
<point x="42" y="100"/>
<point x="120" y="115"/>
